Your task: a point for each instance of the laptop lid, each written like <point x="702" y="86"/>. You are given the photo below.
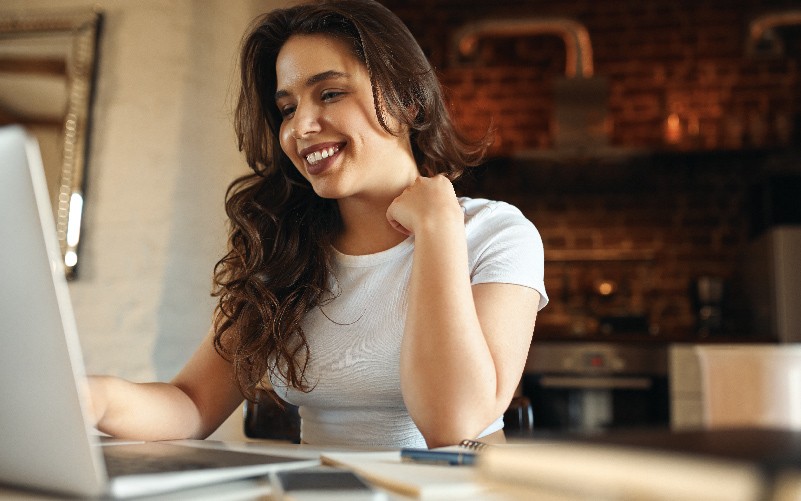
<point x="41" y="370"/>
<point x="45" y="440"/>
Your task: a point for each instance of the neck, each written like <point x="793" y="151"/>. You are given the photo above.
<point x="365" y="227"/>
<point x="364" y="215"/>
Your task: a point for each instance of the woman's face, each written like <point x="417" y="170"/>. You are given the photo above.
<point x="330" y="130"/>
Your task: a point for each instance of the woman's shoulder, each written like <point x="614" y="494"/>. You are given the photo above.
<point x="478" y="210"/>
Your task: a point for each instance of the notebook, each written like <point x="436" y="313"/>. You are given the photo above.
<point x="46" y="442"/>
<point x="737" y="464"/>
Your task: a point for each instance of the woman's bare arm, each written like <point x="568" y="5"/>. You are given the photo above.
<point x="192" y="405"/>
<point x="464" y="346"/>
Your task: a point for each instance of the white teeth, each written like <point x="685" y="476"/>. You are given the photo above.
<point x="316" y="156"/>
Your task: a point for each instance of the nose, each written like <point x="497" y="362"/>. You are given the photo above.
<point x="306" y="121"/>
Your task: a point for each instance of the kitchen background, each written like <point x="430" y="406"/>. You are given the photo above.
<point x="692" y="151"/>
<point x="647" y="176"/>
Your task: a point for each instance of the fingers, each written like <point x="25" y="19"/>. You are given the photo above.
<point x="428" y="201"/>
<point x="397" y="226"/>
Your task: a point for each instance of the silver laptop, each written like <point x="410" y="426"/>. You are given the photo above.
<point x="46" y="441"/>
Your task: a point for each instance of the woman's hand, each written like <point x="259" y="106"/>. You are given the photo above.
<point x="427" y="204"/>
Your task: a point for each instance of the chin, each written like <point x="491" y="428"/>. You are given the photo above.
<point x="326" y="190"/>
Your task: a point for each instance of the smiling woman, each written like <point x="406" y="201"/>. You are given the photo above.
<point x="47" y="67"/>
<point x="390" y="311"/>
<point x="330" y="130"/>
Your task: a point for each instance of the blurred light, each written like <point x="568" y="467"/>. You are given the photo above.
<point x="74" y="221"/>
<point x="673" y="129"/>
<point x="606" y="288"/>
<point x="70" y="258"/>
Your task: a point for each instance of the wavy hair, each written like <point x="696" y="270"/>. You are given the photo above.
<point x="278" y="263"/>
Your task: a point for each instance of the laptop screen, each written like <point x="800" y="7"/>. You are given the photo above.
<point x="40" y="359"/>
<point x="46" y="442"/>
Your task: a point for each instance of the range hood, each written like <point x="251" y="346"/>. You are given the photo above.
<point x="580" y="123"/>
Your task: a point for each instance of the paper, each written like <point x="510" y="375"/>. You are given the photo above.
<point x="423" y="481"/>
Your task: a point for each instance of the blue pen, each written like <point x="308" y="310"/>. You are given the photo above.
<point x="453" y="458"/>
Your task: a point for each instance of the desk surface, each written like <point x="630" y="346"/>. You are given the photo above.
<point x="633" y="459"/>
<point x="252" y="489"/>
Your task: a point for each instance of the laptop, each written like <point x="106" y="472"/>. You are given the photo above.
<point x="46" y="441"/>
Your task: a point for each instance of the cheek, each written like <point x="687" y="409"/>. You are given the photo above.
<point x="289" y="148"/>
<point x="285" y="139"/>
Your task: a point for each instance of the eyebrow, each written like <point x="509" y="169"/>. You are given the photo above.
<point x="319" y="77"/>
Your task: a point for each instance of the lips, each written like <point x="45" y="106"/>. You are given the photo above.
<point x="320" y="156"/>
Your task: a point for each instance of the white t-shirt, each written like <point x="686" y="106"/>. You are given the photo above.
<point x="354" y="339"/>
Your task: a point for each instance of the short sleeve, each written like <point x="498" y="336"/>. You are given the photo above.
<point x="503" y="246"/>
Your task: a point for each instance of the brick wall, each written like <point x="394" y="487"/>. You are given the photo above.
<point x="659" y="57"/>
<point x="653" y="223"/>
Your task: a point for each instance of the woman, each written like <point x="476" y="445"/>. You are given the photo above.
<point x="392" y="312"/>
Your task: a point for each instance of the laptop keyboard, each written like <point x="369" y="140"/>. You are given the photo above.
<point x="117" y="466"/>
<point x="156" y="457"/>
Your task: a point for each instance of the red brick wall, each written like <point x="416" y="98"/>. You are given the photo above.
<point x="654" y="223"/>
<point x="659" y="57"/>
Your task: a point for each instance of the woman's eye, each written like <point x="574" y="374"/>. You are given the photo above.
<point x="287" y="111"/>
<point x="329" y="95"/>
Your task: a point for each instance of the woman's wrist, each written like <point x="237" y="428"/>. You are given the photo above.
<point x="98" y="401"/>
<point x="434" y="227"/>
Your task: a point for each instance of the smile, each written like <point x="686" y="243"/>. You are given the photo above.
<point x="316" y="156"/>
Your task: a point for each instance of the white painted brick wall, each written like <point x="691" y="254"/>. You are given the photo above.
<point x="162" y="153"/>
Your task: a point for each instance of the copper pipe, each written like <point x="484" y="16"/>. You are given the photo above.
<point x="575" y="36"/>
<point x="762" y="28"/>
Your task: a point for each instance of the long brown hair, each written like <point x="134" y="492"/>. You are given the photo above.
<point x="278" y="264"/>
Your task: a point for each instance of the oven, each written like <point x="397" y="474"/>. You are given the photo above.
<point x="586" y="387"/>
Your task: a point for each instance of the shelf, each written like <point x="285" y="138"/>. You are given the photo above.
<point x="599" y="255"/>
